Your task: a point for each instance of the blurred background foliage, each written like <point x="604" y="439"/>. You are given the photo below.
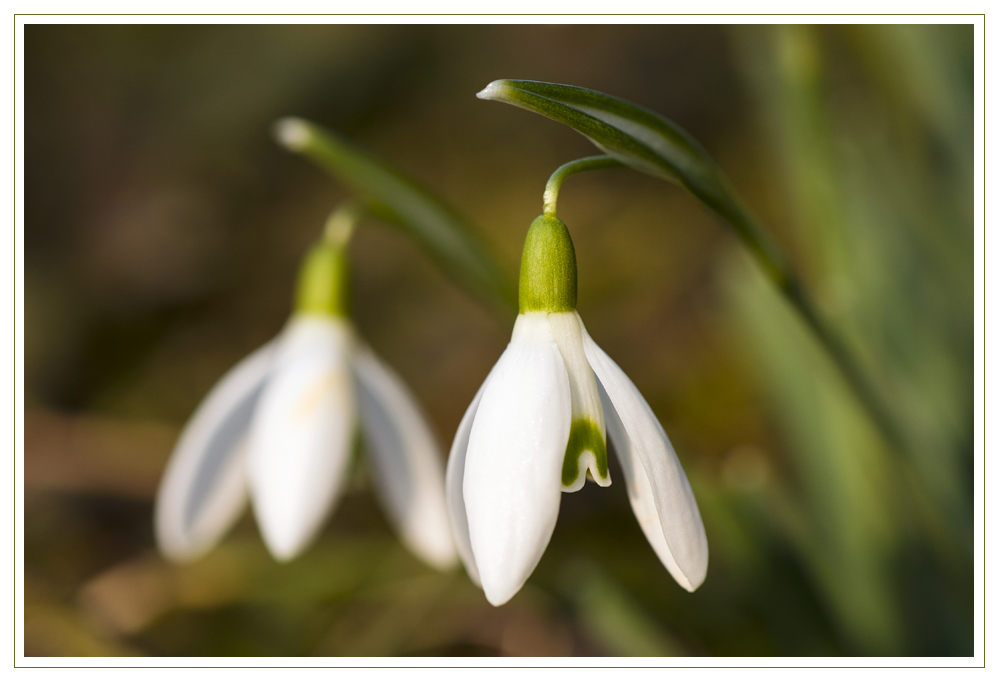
<point x="163" y="232"/>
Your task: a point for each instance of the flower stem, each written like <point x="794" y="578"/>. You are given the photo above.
<point x="551" y="195"/>
<point x="341" y="224"/>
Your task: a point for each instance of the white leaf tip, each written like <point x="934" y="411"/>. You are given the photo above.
<point x="293" y="133"/>
<point x="491" y="91"/>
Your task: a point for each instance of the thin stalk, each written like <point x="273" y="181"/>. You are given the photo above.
<point x="595" y="163"/>
<point x="343" y="220"/>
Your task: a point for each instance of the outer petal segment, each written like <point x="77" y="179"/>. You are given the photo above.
<point x="406" y="461"/>
<point x="302" y="433"/>
<point x="204" y="488"/>
<point x="514" y="461"/>
<point x="455" y="479"/>
<point x="658" y="489"/>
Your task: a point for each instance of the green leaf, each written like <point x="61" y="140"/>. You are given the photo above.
<point x="450" y="240"/>
<point x="647" y="142"/>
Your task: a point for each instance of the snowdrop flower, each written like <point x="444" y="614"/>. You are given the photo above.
<point x="279" y="429"/>
<point x="536" y="428"/>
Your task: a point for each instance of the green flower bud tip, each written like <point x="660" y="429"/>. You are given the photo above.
<point x="548" y="268"/>
<point x="324" y="283"/>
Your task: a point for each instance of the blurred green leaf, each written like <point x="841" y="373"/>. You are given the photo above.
<point x="867" y="215"/>
<point x="841" y="518"/>
<point x="438" y="228"/>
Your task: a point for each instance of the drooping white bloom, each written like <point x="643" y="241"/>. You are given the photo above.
<point x="279" y="429"/>
<point x="537" y="426"/>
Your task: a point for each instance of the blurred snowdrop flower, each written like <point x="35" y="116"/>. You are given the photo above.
<point x="536" y="427"/>
<point x="279" y="429"/>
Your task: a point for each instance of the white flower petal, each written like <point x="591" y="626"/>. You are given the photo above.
<point x="406" y="461"/>
<point x="302" y="433"/>
<point x="658" y="489"/>
<point x="514" y="462"/>
<point x="204" y="488"/>
<point x="455" y="480"/>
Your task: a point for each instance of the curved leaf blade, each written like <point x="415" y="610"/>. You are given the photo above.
<point x="450" y="240"/>
<point x="647" y="142"/>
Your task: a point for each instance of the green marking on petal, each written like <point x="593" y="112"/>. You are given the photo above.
<point x="584" y="436"/>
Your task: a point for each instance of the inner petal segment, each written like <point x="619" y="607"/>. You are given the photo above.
<point x="586" y="449"/>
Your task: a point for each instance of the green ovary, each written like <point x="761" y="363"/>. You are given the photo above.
<point x="584" y="436"/>
<point x="548" y="268"/>
<point x="324" y="285"/>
